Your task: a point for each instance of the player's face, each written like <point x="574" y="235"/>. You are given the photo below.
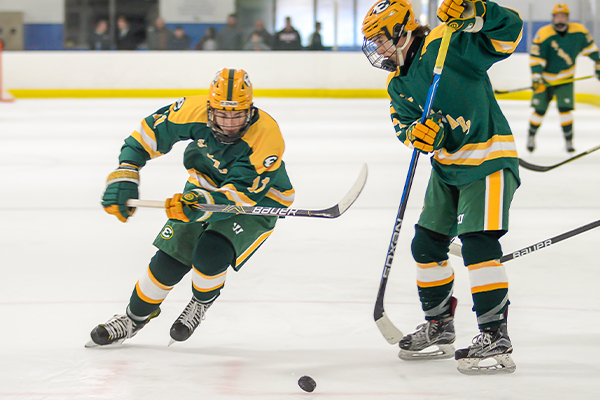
<point x="560" y="18"/>
<point x="384" y="46"/>
<point x="230" y="121"/>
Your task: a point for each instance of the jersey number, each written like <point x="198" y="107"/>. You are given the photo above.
<point x="256" y="183"/>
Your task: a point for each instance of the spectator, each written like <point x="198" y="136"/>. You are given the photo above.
<point x="256" y="43"/>
<point x="259" y="28"/>
<point x="208" y="41"/>
<point x="230" y="36"/>
<point x="314" y="42"/>
<point x="100" y="39"/>
<point x="125" y="38"/>
<point x="288" y="38"/>
<point x="180" y="40"/>
<point x="159" y="36"/>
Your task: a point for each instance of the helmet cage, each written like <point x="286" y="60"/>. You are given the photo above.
<point x="399" y="30"/>
<point x="219" y="133"/>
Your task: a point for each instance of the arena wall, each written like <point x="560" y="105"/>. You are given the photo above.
<point x="173" y="74"/>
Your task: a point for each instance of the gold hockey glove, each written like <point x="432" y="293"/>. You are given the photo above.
<point x="429" y="136"/>
<point x="538" y="84"/>
<point x="187" y="207"/>
<point x="121" y="185"/>
<point x="463" y="15"/>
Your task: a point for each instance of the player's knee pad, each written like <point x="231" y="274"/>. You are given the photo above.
<point x="540" y="111"/>
<point x="213" y="254"/>
<point x="167" y="270"/>
<point x="478" y="247"/>
<point x="428" y="246"/>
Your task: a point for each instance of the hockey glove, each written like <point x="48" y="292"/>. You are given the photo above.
<point x="538" y="83"/>
<point x="121" y="185"/>
<point x="462" y="15"/>
<point x="184" y="207"/>
<point x="598" y="69"/>
<point x="429" y="136"/>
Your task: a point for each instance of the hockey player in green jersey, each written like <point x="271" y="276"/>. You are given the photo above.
<point x="553" y="53"/>
<point x="475" y="166"/>
<point x="235" y="157"/>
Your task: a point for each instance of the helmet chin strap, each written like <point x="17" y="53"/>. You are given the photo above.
<point x="399" y="50"/>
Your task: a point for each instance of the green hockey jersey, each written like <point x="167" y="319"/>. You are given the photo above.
<point x="478" y="140"/>
<point x="247" y="173"/>
<point x="553" y="53"/>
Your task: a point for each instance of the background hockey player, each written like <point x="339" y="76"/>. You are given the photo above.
<point x="475" y="165"/>
<point x="235" y="158"/>
<point x="553" y="54"/>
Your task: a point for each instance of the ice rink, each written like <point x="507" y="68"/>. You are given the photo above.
<point x="303" y="305"/>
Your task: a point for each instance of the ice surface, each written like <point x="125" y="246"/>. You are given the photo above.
<point x="303" y="305"/>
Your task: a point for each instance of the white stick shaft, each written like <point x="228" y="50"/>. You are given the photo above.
<point x="145" y="203"/>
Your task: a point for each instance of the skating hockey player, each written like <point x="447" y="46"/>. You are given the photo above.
<point x="235" y="157"/>
<point x="553" y="54"/>
<point x="475" y="166"/>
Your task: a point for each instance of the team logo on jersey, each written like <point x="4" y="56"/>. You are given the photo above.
<point x="381" y="7"/>
<point x="167" y="232"/>
<point x="270" y="161"/>
<point x="179" y="104"/>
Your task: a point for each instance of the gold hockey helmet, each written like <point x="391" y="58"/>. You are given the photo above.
<point x="230" y="107"/>
<point x="392" y="19"/>
<point x="560" y="8"/>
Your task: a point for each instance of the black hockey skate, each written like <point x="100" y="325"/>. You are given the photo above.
<point x="431" y="340"/>
<point x="569" y="146"/>
<point x="188" y="321"/>
<point x="489" y="354"/>
<point x="531" y="143"/>
<point x="117" y="329"/>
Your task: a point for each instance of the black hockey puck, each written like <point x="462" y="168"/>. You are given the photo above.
<point x="307" y="383"/>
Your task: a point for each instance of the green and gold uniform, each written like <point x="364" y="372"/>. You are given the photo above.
<point x="475" y="170"/>
<point x="249" y="172"/>
<point x="553" y="55"/>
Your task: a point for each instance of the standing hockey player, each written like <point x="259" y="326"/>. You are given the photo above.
<point x="475" y="166"/>
<point x="553" y="52"/>
<point x="235" y="158"/>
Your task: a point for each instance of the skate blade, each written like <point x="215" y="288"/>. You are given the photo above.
<point x="435" y="352"/>
<point x="500" y="364"/>
<point x="91" y="344"/>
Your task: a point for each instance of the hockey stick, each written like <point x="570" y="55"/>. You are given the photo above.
<point x="456" y="249"/>
<point x="531" y="87"/>
<point x="542" y="168"/>
<point x="386" y="327"/>
<point x="331" y="212"/>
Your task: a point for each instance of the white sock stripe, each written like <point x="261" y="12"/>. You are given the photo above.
<point x="488" y="276"/>
<point x="204" y="282"/>
<point x="536" y="119"/>
<point x="151" y="289"/>
<point x="565" y="118"/>
<point x="434" y="274"/>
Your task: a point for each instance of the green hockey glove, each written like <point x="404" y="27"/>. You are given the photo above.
<point x="429" y="136"/>
<point x="598" y="69"/>
<point x="121" y="185"/>
<point x="183" y="207"/>
<point x="538" y="84"/>
<point x="463" y="15"/>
